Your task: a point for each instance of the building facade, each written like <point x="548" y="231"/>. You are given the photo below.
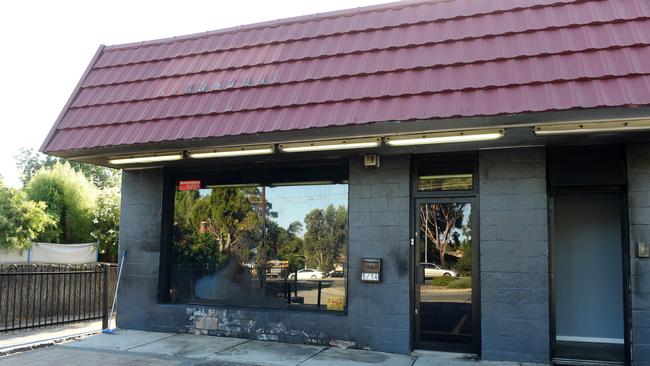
<point x="454" y="176"/>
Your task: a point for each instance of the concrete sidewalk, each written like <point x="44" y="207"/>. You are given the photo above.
<point x="45" y="336"/>
<point x="145" y="348"/>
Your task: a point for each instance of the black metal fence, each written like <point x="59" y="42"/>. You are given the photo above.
<point x="36" y="295"/>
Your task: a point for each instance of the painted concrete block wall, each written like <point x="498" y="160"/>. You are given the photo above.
<point x="140" y="231"/>
<point x="638" y="159"/>
<point x="379" y="210"/>
<point x="514" y="255"/>
<point x="378" y="314"/>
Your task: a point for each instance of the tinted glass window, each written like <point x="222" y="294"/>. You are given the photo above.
<point x="445" y="182"/>
<point x="246" y="244"/>
<point x="455" y="174"/>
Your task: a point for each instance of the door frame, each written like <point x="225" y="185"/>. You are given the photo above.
<point x="471" y="196"/>
<point x="625" y="257"/>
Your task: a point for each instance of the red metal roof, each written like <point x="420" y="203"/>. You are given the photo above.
<point x="394" y="62"/>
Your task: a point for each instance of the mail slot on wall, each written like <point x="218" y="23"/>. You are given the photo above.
<point x="371" y="270"/>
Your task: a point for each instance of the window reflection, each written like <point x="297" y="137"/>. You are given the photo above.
<point x="448" y="182"/>
<point x="445" y="256"/>
<point x="282" y="246"/>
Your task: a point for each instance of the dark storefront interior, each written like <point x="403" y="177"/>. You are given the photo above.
<point x="589" y="223"/>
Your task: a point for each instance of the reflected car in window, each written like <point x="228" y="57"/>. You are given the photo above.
<point x="307" y="274"/>
<point x="432" y="270"/>
<point x="336" y="274"/>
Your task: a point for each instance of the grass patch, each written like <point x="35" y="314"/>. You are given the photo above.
<point x="452" y="282"/>
<point x="441" y="281"/>
<point x="462" y="282"/>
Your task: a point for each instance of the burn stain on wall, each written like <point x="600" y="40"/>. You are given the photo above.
<point x="400" y="259"/>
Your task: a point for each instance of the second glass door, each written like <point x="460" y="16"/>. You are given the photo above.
<point x="445" y="316"/>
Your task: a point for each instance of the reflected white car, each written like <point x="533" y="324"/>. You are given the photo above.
<point x="432" y="270"/>
<point x="307" y="274"/>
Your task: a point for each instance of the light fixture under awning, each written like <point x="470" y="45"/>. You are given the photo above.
<point x="232" y="152"/>
<point x="592" y="127"/>
<point x="145" y="159"/>
<point x="362" y="143"/>
<point x="444" y="137"/>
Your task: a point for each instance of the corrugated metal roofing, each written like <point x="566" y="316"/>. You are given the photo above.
<point x="401" y="61"/>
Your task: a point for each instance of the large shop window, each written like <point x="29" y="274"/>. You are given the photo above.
<point x="281" y="243"/>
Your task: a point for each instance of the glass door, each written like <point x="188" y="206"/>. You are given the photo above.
<point x="446" y="311"/>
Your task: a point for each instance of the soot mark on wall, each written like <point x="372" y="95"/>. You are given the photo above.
<point x="400" y="261"/>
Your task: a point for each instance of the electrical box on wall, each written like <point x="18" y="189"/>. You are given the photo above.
<point x="370" y="270"/>
<point x="642" y="250"/>
<point x="371" y="161"/>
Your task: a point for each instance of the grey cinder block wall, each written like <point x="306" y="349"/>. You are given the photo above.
<point x="638" y="159"/>
<point x="140" y="232"/>
<point x="379" y="228"/>
<point x="514" y="255"/>
<point x="378" y="314"/>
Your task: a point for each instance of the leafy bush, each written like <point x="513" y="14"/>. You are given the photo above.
<point x="70" y="198"/>
<point x="462" y="282"/>
<point x="21" y="220"/>
<point x="106" y="224"/>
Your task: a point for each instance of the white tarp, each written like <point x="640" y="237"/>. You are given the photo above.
<point x="13" y="256"/>
<point x="52" y="253"/>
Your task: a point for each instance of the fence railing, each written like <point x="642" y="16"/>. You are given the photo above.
<point x="36" y="295"/>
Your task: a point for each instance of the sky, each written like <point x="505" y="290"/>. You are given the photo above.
<point x="293" y="203"/>
<point x="45" y="46"/>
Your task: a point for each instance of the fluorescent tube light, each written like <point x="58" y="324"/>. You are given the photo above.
<point x="145" y="159"/>
<point x="592" y="127"/>
<point x="231" y="152"/>
<point x="242" y="185"/>
<point x="308" y="183"/>
<point x="444" y="137"/>
<point x="331" y="145"/>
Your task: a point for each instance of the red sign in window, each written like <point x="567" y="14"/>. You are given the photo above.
<point x="189" y="185"/>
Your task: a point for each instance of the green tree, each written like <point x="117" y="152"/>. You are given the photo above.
<point x="228" y="215"/>
<point x="210" y="229"/>
<point x="326" y="236"/>
<point x="106" y="223"/>
<point x="21" y="220"/>
<point x="70" y="199"/>
<point x="464" y="264"/>
<point x="290" y="245"/>
<point x="30" y="161"/>
<point x="441" y="223"/>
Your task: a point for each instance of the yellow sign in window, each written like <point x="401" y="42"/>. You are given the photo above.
<point x="335" y="303"/>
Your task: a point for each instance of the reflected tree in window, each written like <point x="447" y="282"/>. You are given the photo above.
<point x="441" y="223"/>
<point x="326" y="236"/>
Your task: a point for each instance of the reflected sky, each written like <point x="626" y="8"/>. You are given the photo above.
<point x="292" y="203"/>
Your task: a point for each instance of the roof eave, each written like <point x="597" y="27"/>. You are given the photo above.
<point x="99" y="155"/>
